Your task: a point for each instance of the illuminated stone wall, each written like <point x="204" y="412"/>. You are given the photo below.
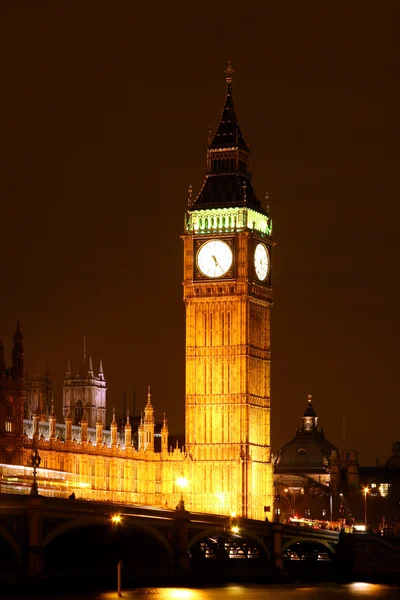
<point x="227" y="382"/>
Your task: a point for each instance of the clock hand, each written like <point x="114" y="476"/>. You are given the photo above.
<point x="217" y="263"/>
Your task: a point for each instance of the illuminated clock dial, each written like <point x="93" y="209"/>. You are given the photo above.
<point x="261" y="261"/>
<point x="214" y="258"/>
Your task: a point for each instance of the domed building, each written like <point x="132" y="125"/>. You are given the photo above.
<point x="302" y="471"/>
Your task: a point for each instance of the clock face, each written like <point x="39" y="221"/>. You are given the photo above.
<point x="214" y="258"/>
<point x="261" y="262"/>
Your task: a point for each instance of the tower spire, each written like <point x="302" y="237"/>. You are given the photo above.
<point x="2" y="360"/>
<point x="228" y="163"/>
<point x="229" y="71"/>
<point x="18" y="355"/>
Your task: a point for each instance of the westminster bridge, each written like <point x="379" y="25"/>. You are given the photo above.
<point x="43" y="537"/>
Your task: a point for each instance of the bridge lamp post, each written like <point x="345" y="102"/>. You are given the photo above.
<point x="182" y="483"/>
<point x="116" y="519"/>
<point x="277" y="500"/>
<point x="365" y="490"/>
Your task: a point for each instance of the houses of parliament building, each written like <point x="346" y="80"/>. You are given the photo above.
<point x="226" y="460"/>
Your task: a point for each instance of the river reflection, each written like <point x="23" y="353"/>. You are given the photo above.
<point x="263" y="592"/>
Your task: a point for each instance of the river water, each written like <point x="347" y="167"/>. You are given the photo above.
<point x="333" y="591"/>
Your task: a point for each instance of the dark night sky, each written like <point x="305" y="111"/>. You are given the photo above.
<point x="105" y="108"/>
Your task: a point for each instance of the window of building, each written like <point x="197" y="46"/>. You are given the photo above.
<point x="384" y="489"/>
<point x="9" y="411"/>
<point x="8" y="426"/>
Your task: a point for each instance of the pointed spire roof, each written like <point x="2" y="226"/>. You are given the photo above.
<point x="165" y="424"/>
<point x="228" y="133"/>
<point x="228" y="174"/>
<point x="101" y="372"/>
<point x="309" y="412"/>
<point x="114" y="420"/>
<point x="90" y="369"/>
<point x="68" y="372"/>
<point x="149" y="404"/>
<point x="128" y="422"/>
<point x="18" y="335"/>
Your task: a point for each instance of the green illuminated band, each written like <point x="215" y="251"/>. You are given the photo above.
<point x="227" y="219"/>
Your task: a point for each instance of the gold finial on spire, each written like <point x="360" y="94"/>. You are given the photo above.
<point x="229" y="72"/>
<point x="190" y="192"/>
<point x="209" y="138"/>
<point x="309" y="398"/>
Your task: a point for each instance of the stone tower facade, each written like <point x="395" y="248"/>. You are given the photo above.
<point x="85" y="393"/>
<point x="12" y="402"/>
<point x="228" y="298"/>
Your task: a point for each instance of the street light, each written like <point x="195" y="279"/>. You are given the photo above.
<point x="366" y="490"/>
<point x="277" y="500"/>
<point x="116" y="519"/>
<point x="182" y="483"/>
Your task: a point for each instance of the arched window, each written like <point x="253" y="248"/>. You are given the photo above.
<point x="78" y="412"/>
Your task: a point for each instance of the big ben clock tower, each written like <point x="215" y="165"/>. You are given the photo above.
<point x="228" y="297"/>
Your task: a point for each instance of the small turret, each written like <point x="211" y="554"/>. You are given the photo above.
<point x="68" y="428"/>
<point x="99" y="430"/>
<point x="164" y="436"/>
<point x="84" y="427"/>
<point x="128" y="432"/>
<point x="141" y="434"/>
<point x="149" y="423"/>
<point x="90" y="369"/>
<point x="52" y="421"/>
<point x="310" y="418"/>
<point x="114" y="428"/>
<point x="68" y="372"/>
<point x="101" y="372"/>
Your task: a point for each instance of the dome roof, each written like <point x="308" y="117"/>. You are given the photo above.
<point x="309" y="451"/>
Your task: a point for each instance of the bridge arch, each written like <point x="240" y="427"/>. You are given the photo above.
<point x="310" y="541"/>
<point x="87" y="522"/>
<point x="215" y="531"/>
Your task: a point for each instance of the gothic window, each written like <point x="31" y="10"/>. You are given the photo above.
<point x="78" y="412"/>
<point x="9" y="411"/>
